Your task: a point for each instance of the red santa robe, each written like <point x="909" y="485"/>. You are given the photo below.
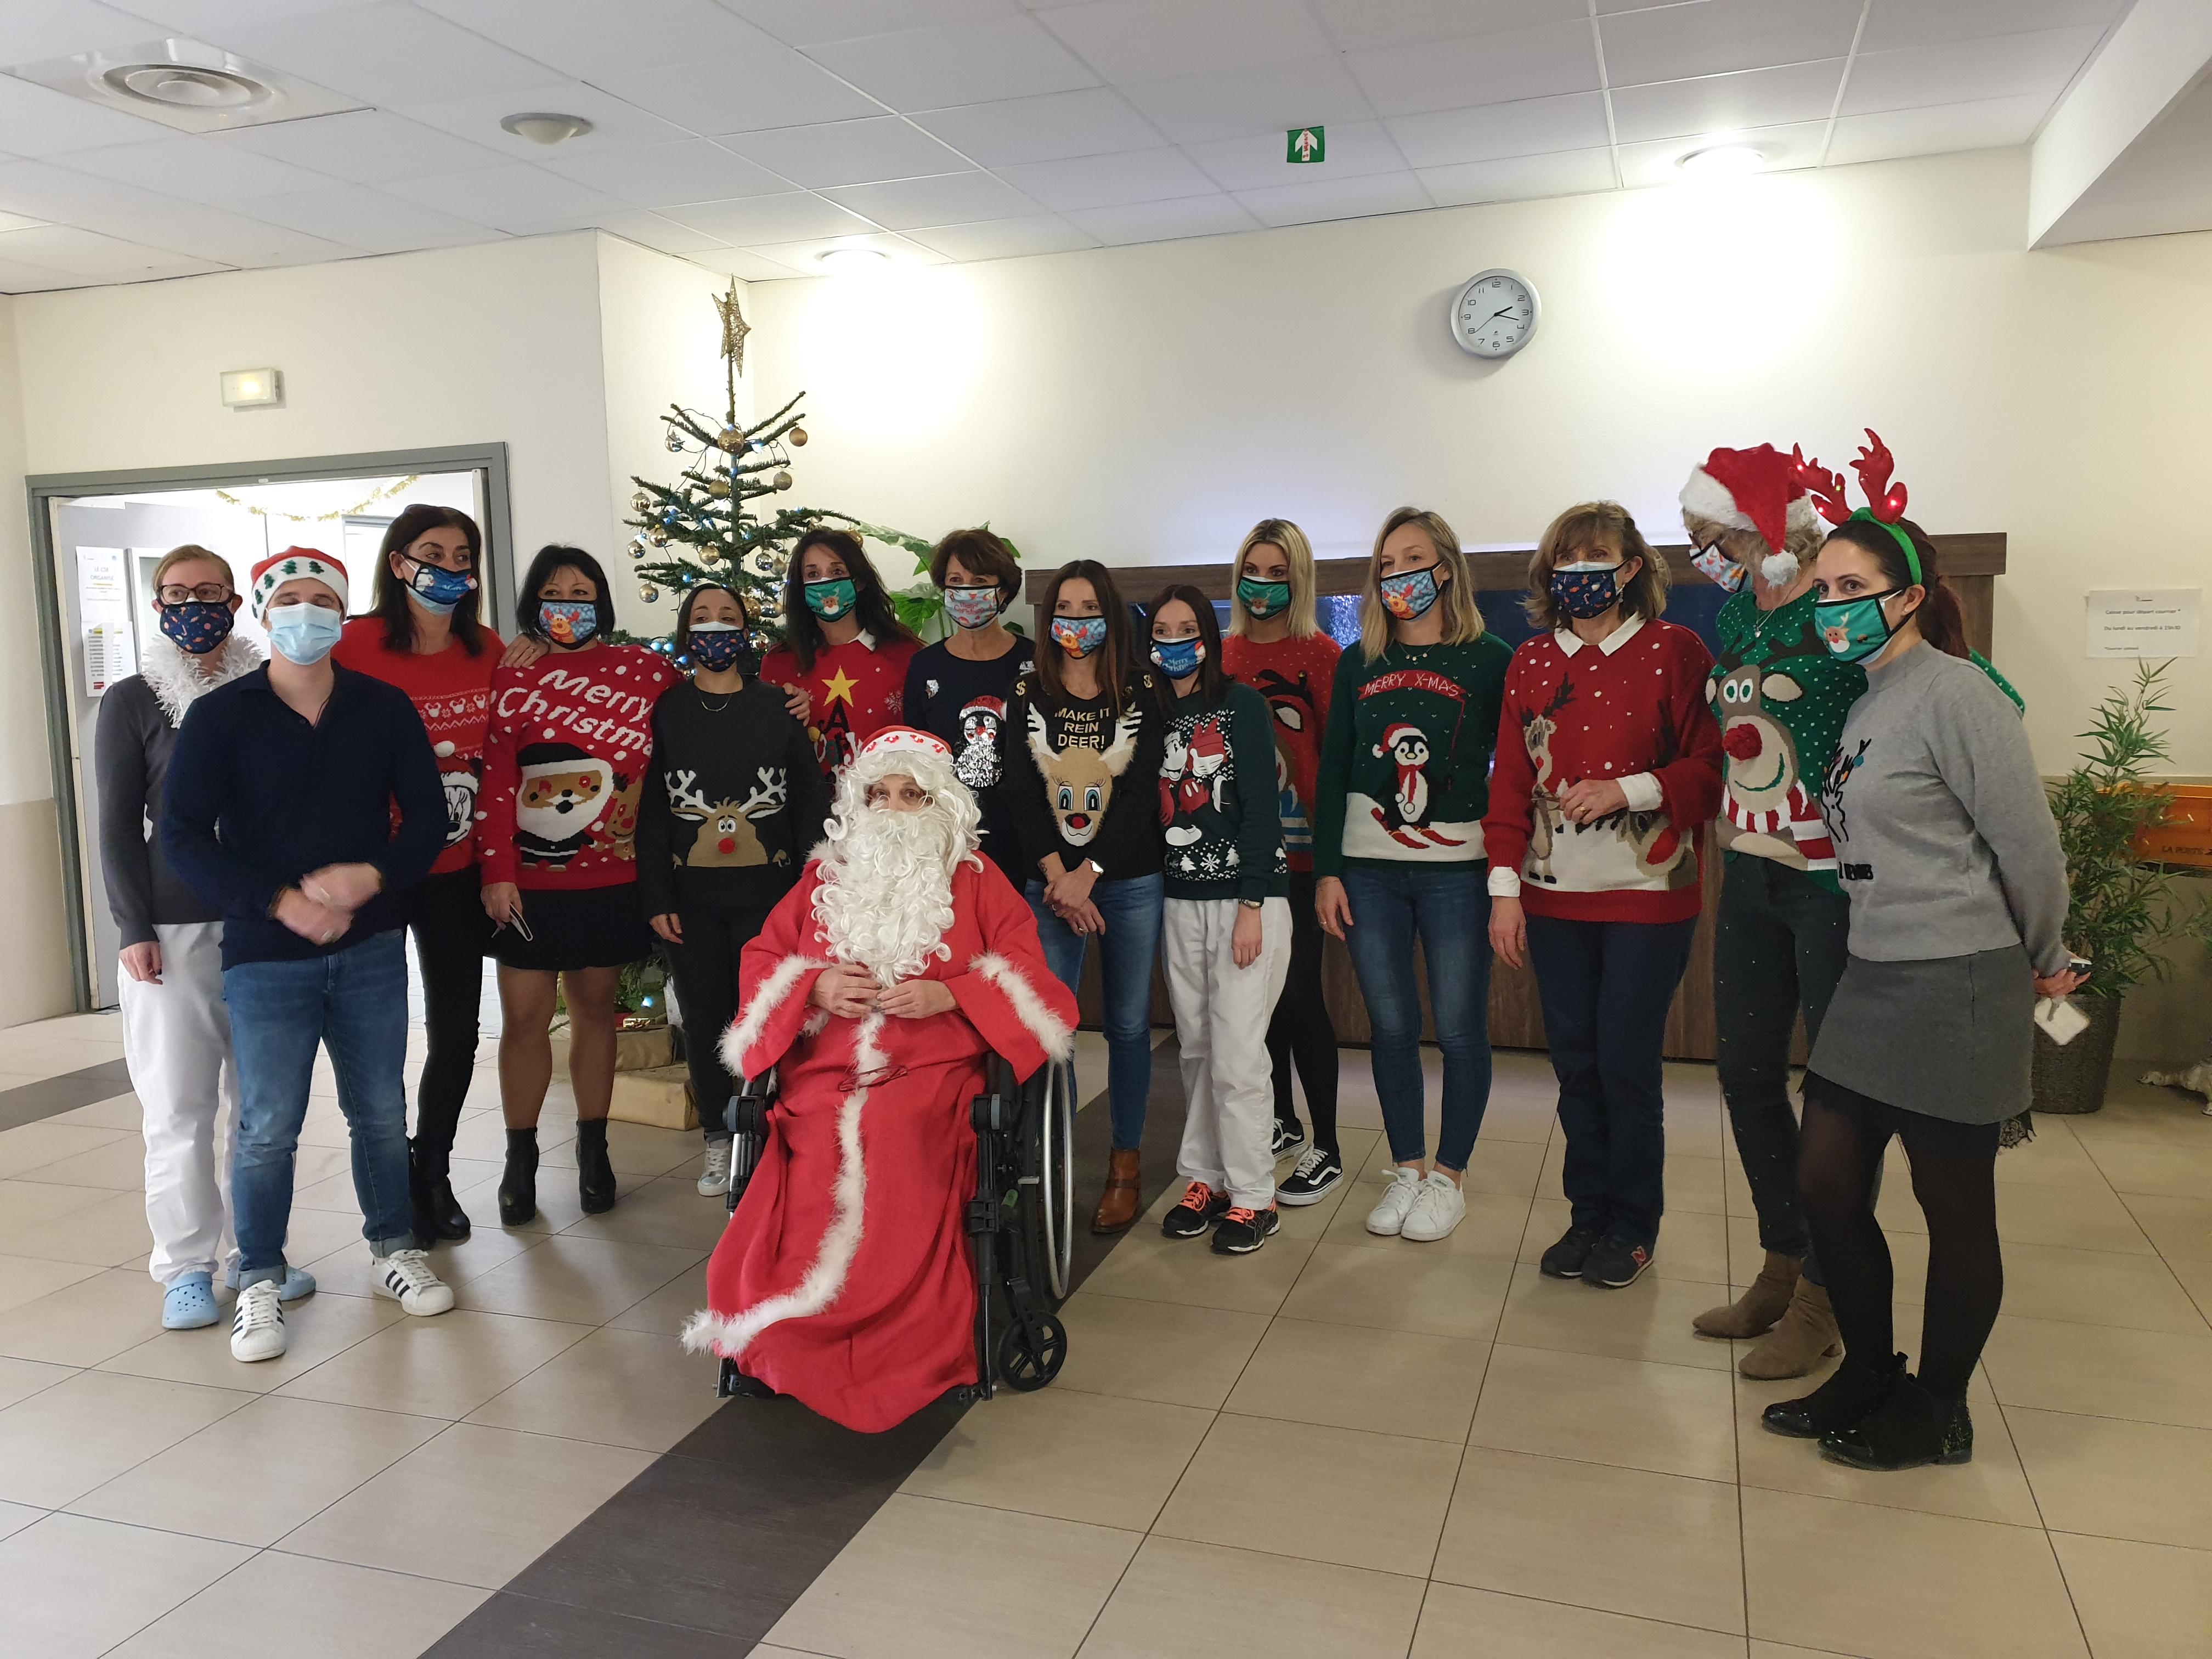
<point x="843" y="1279"/>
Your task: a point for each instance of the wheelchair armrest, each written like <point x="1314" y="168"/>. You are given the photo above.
<point x="747" y="1112"/>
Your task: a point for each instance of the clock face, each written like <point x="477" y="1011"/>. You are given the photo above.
<point x="1494" y="314"/>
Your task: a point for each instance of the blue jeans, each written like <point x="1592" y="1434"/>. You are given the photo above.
<point x="1131" y="911"/>
<point x="1446" y="906"/>
<point x="1606" y="988"/>
<point x="353" y="1002"/>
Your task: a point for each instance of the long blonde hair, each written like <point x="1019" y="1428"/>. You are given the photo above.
<point x="1462" y="615"/>
<point x="1298" y="555"/>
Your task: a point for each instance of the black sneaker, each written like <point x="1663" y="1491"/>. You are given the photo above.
<point x="1317" y="1177"/>
<point x="1200" y="1208"/>
<point x="1568" y="1258"/>
<point x="1242" y="1231"/>
<point x="1289" y="1137"/>
<point x="1617" y="1263"/>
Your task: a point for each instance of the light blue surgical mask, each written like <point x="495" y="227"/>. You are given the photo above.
<point x="303" y="633"/>
<point x="1854" y="629"/>
<point x="1179" y="658"/>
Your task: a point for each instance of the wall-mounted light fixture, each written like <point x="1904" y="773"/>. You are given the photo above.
<point x="252" y="388"/>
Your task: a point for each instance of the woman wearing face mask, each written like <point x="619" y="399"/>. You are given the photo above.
<point x="176" y="1033"/>
<point x="1225" y="936"/>
<point x="1958" y="894"/>
<point x="1276" y="648"/>
<point x="1609" y="767"/>
<point x="1404" y="779"/>
<point x="958" y="689"/>
<point x="842" y="663"/>
<point x="425" y="637"/>
<point x="733" y="804"/>
<point x="1079" y="752"/>
<point x="566" y="754"/>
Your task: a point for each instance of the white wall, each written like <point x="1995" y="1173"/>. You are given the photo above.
<point x="1147" y="404"/>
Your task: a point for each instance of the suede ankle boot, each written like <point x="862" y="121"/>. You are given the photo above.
<point x="1806" y="1335"/>
<point x="1909" y="1429"/>
<point x="518" y="1185"/>
<point x="1763" y="1302"/>
<point x="595" y="1175"/>
<point x="1854" y="1393"/>
<point x="1117" y="1204"/>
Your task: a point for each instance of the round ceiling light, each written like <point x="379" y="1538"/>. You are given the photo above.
<point x="849" y="259"/>
<point x="1721" y="161"/>
<point x="542" y="128"/>
<point x="186" y="86"/>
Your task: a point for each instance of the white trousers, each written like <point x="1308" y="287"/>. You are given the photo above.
<point x="1221" y="1014"/>
<point x="176" y="1041"/>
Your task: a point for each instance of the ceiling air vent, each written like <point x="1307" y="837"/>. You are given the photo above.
<point x="185" y="84"/>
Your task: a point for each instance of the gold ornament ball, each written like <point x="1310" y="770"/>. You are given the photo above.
<point x="781" y="480"/>
<point x="658" y="538"/>
<point x="640" y="501"/>
<point x="798" y="437"/>
<point x="718" y="488"/>
<point x="647" y="592"/>
<point x="731" y="440"/>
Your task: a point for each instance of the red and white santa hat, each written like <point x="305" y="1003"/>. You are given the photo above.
<point x="1396" y="732"/>
<point x="898" y="740"/>
<point x="1751" y="489"/>
<point x="292" y="564"/>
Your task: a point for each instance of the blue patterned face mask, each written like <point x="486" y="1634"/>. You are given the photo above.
<point x="1854" y="629"/>
<point x="567" y="622"/>
<point x="438" y="590"/>
<point x="972" y="607"/>
<point x="1410" y="594"/>
<point x="1179" y="658"/>
<point x="1079" y="635"/>
<point x="197" y="626"/>
<point x="1718" y="568"/>
<point x="1586" y="588"/>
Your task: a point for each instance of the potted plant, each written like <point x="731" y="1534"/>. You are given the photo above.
<point x="2121" y="910"/>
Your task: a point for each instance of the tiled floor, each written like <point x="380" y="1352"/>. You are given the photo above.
<point x="1343" y="1446"/>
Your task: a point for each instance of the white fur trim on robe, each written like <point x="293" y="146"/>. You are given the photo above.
<point x="752" y="1024"/>
<point x="1053" y="1036"/>
<point x="813" y="1294"/>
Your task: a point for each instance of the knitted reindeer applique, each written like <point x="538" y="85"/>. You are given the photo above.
<point x="1546" y="821"/>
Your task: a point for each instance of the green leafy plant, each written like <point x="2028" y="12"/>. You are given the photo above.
<point x="2121" y="908"/>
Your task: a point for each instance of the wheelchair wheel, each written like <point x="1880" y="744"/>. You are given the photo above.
<point x="1057" y="1189"/>
<point x="1026" y="1366"/>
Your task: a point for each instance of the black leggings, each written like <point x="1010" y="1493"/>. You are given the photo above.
<point x="446" y="913"/>
<point x="1300" y="1031"/>
<point x="1954" y="1176"/>
<point x="706" y="989"/>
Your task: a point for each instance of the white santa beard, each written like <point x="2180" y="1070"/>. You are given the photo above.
<point x="885" y="901"/>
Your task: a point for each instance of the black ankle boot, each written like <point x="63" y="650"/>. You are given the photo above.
<point x="595" y="1176"/>
<point x="438" y="1214"/>
<point x="518" y="1186"/>
<point x="420" y="1220"/>
<point x="1910" y="1428"/>
<point x="1853" y="1392"/>
<point x="448" y="1220"/>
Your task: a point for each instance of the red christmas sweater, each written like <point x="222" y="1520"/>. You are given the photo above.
<point x="569" y="742"/>
<point x="857" y="688"/>
<point x="452" y="691"/>
<point x="1295" y="675"/>
<point x="1633" y="710"/>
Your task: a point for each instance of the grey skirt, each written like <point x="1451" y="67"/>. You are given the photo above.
<point x="1949" y="1038"/>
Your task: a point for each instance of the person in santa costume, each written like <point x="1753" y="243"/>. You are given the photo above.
<point x="876" y="991"/>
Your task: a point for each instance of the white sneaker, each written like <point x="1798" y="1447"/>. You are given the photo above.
<point x="1388" y="1216"/>
<point x="715" y="1179"/>
<point x="257" y="1326"/>
<point x="1438" y="1206"/>
<point x="405" y="1277"/>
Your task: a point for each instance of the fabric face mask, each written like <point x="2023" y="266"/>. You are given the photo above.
<point x="197" y="625"/>
<point x="1410" y="594"/>
<point x="304" y="634"/>
<point x="567" y="622"/>
<point x="1262" y="600"/>
<point x="1079" y="635"/>
<point x="1854" y="629"/>
<point x="1586" y="588"/>
<point x="1179" y="658"/>
<point x="1717" y="568"/>
<point x="718" y="645"/>
<point x="831" y="600"/>
<point x="437" y="590"/>
<point x="972" y="607"/>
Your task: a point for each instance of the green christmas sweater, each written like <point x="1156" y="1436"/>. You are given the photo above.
<point x="1218" y="813"/>
<point x="1405" y="766"/>
<point x="1781" y="697"/>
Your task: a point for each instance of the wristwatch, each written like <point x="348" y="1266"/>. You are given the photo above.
<point x="1097" y="868"/>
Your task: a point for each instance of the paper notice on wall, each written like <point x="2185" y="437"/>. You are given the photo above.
<point x="103" y="606"/>
<point x="110" y="654"/>
<point x="2144" y="622"/>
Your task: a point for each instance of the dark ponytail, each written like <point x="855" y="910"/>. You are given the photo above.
<point x="1942" y="623"/>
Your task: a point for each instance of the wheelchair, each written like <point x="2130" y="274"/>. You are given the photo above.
<point x="1021" y="1225"/>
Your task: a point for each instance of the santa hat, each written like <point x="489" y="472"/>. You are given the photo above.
<point x="1395" y="733"/>
<point x="1755" y="490"/>
<point x="905" y="740"/>
<point x="292" y="564"/>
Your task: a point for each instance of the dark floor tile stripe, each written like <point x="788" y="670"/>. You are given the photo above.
<point x="28" y="1103"/>
<point x="702" y="1552"/>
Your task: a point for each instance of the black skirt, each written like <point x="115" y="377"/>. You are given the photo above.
<point x="576" y="927"/>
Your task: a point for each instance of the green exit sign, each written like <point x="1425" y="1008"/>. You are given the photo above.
<point x="1307" y="144"/>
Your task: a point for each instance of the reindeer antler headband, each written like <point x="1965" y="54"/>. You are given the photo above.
<point x="1885" y="500"/>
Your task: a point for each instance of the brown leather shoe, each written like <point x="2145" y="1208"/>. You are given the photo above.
<point x="1117" y="1204"/>
<point x="1763" y="1301"/>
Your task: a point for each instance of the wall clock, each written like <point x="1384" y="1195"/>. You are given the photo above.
<point x="1495" y="314"/>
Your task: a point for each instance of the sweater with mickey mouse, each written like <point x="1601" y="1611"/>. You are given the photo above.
<point x="1630" y="710"/>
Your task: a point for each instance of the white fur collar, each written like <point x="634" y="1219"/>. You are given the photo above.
<point x="169" y="674"/>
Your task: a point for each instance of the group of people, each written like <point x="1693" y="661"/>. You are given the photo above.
<point x="988" y="805"/>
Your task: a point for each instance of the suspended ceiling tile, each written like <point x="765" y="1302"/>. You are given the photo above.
<point x="33" y="29"/>
<point x="508" y="197"/>
<point x="366" y="218"/>
<point x="197" y="17"/>
<point x="1986" y="124"/>
<point x="774" y="87"/>
<point x="1336" y="198"/>
<point x="1527" y="126"/>
<point x="805" y="255"/>
<point x="1721" y="103"/>
<point x="651" y="230"/>
<point x="956" y="63"/>
<point x="1520" y="178"/>
<point x="59" y="195"/>
<point x="1004" y="239"/>
<point x="219" y="234"/>
<point x="193" y="169"/>
<point x="756" y="220"/>
<point x="361" y="146"/>
<point x="1129" y="41"/>
<point x="1165" y="222"/>
<point x="615" y="121"/>
<point x="1538" y="62"/>
<point x="588" y="38"/>
<point x="1232" y="103"/>
<point x="847" y="152"/>
<point x="952" y="198"/>
<point x="1095" y="181"/>
<point x="1960" y="71"/>
<point x="1091" y="121"/>
<point x="1360" y="25"/>
<point x="818" y="20"/>
<point x="664" y="175"/>
<point x="38" y="121"/>
<point x="746" y="267"/>
<point x="1893" y="23"/>
<point x="1258" y="161"/>
<point x="1716" y="37"/>
<point x="390" y="53"/>
<point x="18" y="277"/>
<point x="87" y="253"/>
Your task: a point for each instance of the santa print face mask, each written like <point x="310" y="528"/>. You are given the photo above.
<point x="972" y="607"/>
<point x="1717" y="568"/>
<point x="1262" y="600"/>
<point x="1409" y="594"/>
<point x="303" y="633"/>
<point x="1854" y="629"/>
<point x="1079" y="635"/>
<point x="832" y="599"/>
<point x="719" y="646"/>
<point x="1586" y="588"/>
<point x="567" y="622"/>
<point x="197" y="626"/>
<point x="438" y="590"/>
<point x="1179" y="658"/>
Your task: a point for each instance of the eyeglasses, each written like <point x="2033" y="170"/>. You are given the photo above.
<point x="206" y="594"/>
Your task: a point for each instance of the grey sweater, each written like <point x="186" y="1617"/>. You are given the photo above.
<point x="1944" y="833"/>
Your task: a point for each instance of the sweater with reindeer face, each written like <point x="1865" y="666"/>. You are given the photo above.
<point x="1083" y="781"/>
<point x="733" y="805"/>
